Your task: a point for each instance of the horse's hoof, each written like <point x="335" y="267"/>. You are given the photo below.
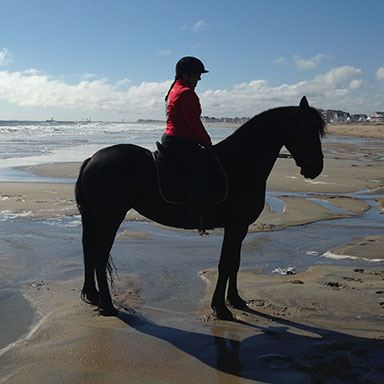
<point x="92" y="298"/>
<point x="223" y="314"/>
<point x="236" y="302"/>
<point x="108" y="312"/>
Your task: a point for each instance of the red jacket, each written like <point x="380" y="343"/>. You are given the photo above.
<point x="183" y="114"/>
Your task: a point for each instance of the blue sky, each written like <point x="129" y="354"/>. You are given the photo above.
<point x="115" y="59"/>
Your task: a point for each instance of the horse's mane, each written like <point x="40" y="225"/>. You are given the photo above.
<point x="313" y="118"/>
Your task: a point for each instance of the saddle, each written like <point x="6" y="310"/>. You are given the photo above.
<point x="168" y="171"/>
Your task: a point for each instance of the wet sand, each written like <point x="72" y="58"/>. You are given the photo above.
<point x="323" y="324"/>
<point x="297" y="329"/>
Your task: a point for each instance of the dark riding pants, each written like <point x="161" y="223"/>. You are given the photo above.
<point x="199" y="161"/>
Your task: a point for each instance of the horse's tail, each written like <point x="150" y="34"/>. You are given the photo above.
<point x="79" y="193"/>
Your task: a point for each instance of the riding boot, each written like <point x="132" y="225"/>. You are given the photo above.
<point x="195" y="206"/>
<point x="191" y="220"/>
<point x="201" y="231"/>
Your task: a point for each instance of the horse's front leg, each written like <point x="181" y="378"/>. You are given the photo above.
<point x="228" y="268"/>
<point x="233" y="298"/>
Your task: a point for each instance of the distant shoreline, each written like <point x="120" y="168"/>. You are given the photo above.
<point x="370" y="130"/>
<point x="363" y="129"/>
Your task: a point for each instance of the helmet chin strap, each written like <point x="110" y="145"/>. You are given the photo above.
<point x="186" y="77"/>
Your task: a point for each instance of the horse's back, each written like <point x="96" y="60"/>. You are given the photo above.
<point x="118" y="158"/>
<point x="117" y="153"/>
<point x="119" y="171"/>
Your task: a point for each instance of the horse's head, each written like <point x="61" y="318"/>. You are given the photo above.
<point x="304" y="142"/>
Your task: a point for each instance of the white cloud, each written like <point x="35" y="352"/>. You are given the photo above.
<point x="31" y="71"/>
<point x="5" y="57"/>
<point x="330" y="90"/>
<point x="88" y="76"/>
<point x="122" y="83"/>
<point x="280" y="60"/>
<point x="196" y="27"/>
<point x="28" y="89"/>
<point x="310" y="63"/>
<point x="337" y="89"/>
<point x="380" y="73"/>
<point x="199" y="25"/>
<point x="164" y="52"/>
<point x="336" y="77"/>
<point x="356" y="84"/>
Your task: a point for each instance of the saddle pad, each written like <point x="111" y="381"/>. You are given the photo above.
<point x="174" y="182"/>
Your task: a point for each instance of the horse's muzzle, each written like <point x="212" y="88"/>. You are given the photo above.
<point x="311" y="167"/>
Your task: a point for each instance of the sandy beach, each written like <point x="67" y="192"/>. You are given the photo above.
<point x="323" y="324"/>
<point x="366" y="130"/>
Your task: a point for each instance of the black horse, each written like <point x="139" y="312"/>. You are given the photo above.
<point x="119" y="178"/>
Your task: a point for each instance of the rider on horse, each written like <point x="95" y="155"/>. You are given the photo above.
<point x="186" y="139"/>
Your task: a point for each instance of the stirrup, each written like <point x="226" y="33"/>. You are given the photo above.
<point x="201" y="228"/>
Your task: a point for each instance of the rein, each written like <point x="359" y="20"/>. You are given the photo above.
<point x="159" y="183"/>
<point x="225" y="178"/>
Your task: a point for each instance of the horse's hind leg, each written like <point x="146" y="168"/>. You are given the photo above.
<point x="89" y="292"/>
<point x="107" y="233"/>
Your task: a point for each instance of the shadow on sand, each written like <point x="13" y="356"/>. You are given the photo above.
<point x="285" y="352"/>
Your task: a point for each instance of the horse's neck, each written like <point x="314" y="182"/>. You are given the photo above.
<point x="253" y="149"/>
<point x="256" y="139"/>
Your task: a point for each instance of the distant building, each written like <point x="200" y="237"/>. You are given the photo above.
<point x="329" y="115"/>
<point x="335" y="116"/>
<point x="359" y="118"/>
<point x="377" y="117"/>
<point x="232" y="120"/>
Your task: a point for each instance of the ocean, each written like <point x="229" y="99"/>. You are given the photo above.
<point x="31" y="143"/>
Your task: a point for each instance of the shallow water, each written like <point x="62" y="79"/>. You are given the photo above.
<point x="166" y="262"/>
<point x="32" y="143"/>
<point x="16" y="316"/>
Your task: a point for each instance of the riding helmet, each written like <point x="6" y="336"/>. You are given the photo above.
<point x="189" y="65"/>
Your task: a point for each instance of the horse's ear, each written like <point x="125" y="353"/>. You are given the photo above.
<point x="304" y="102"/>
